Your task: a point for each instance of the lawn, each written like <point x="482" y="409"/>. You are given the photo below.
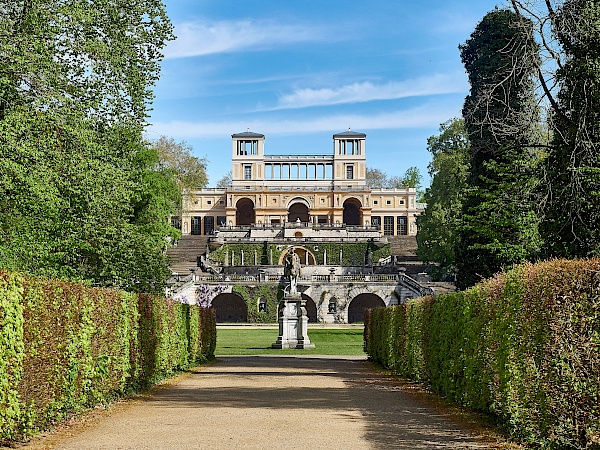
<point x="257" y="341"/>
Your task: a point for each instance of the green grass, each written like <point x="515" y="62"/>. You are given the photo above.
<point x="257" y="341"/>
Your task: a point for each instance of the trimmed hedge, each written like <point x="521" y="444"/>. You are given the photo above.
<point x="65" y="347"/>
<point x="523" y="346"/>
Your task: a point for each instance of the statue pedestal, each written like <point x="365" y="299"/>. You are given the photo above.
<point x="293" y="324"/>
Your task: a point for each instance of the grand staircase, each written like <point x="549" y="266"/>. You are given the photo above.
<point x="184" y="255"/>
<point x="404" y="251"/>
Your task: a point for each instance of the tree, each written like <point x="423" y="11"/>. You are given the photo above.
<point x="75" y="173"/>
<point x="499" y="223"/>
<point x="439" y="225"/>
<point x="225" y="181"/>
<point x="189" y="170"/>
<point x="571" y="224"/>
<point x="376" y="178"/>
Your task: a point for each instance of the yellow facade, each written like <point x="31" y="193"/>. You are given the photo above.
<point x="321" y="190"/>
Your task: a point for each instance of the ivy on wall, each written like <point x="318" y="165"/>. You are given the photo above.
<point x="353" y="253"/>
<point x="271" y="294"/>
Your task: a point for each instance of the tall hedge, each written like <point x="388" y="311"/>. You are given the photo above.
<point x="65" y="347"/>
<point x="524" y="345"/>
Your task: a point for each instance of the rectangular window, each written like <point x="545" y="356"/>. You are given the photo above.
<point x="196" y="221"/>
<point x="247" y="172"/>
<point x="221" y="221"/>
<point x="388" y="202"/>
<point x="209" y="202"/>
<point x="402" y="228"/>
<point x="376" y="222"/>
<point x="209" y="225"/>
<point x="376" y="202"/>
<point x="322" y="219"/>
<point x="176" y="223"/>
<point x="349" y="172"/>
<point x="388" y="226"/>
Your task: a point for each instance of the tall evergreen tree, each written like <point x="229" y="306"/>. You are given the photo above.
<point x="571" y="226"/>
<point x="499" y="224"/>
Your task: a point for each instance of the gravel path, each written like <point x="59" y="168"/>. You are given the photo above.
<point x="277" y="402"/>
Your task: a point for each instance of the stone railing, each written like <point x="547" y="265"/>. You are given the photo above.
<point x="303" y="279"/>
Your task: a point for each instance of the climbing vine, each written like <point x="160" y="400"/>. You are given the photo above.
<point x="254" y="295"/>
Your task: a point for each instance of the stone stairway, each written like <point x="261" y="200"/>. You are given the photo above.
<point x="184" y="255"/>
<point x="404" y="250"/>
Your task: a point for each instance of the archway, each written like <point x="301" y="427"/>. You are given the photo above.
<point x="356" y="309"/>
<point x="244" y="214"/>
<point x="352" y="212"/>
<point x="311" y="308"/>
<point x="303" y="253"/>
<point x="298" y="211"/>
<point x="230" y="308"/>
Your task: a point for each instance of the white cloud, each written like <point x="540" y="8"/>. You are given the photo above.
<point x="423" y="116"/>
<point x="368" y="91"/>
<point x="206" y="37"/>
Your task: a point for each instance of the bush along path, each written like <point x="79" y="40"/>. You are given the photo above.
<point x="523" y="346"/>
<point x="276" y="402"/>
<point x="66" y="347"/>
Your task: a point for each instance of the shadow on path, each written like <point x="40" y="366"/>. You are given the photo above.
<point x="391" y="417"/>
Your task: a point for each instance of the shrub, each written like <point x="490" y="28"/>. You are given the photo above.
<point x="65" y="347"/>
<point x="522" y="345"/>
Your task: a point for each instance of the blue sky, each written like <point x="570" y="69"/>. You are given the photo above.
<point x="300" y="71"/>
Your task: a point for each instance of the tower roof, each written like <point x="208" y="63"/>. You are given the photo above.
<point x="349" y="134"/>
<point x="247" y="134"/>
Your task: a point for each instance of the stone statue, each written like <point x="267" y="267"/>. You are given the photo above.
<point x="292" y="270"/>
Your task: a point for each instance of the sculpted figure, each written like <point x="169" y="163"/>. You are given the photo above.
<point x="292" y="270"/>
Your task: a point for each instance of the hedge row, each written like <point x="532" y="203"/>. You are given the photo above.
<point x="65" y="347"/>
<point x="523" y="346"/>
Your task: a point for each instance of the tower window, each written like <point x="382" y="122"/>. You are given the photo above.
<point x="349" y="172"/>
<point x="247" y="148"/>
<point x="247" y="172"/>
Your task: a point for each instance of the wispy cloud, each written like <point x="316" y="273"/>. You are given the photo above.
<point x="369" y="91"/>
<point x="208" y="37"/>
<point x="422" y="116"/>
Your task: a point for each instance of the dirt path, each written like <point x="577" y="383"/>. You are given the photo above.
<point x="277" y="402"/>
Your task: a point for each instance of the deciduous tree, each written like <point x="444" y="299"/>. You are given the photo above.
<point x="80" y="196"/>
<point x="439" y="224"/>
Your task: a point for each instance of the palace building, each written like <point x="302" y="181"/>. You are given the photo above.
<point x="270" y="191"/>
<point x="354" y="244"/>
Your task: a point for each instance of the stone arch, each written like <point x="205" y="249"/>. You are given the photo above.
<point x="298" y="208"/>
<point x="230" y="307"/>
<point x="311" y="308"/>
<point x="302" y="253"/>
<point x="244" y="212"/>
<point x="356" y="308"/>
<point x="352" y="213"/>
